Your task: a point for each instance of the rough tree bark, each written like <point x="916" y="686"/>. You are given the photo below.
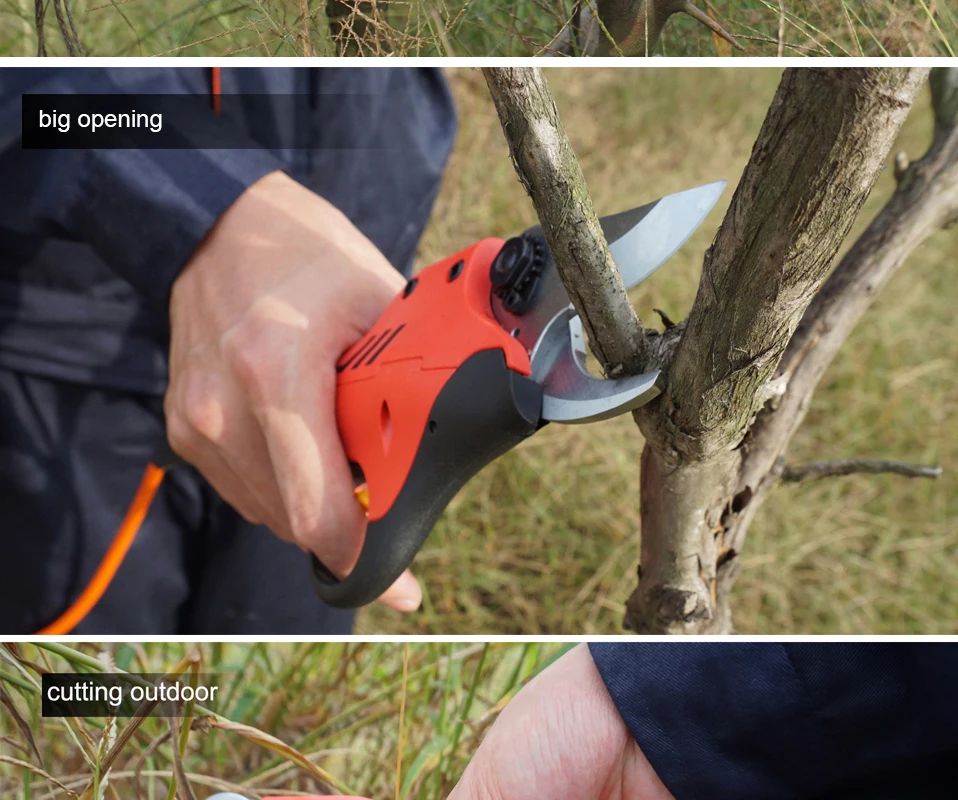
<point x="741" y="369"/>
<point x="925" y="201"/>
<point x="625" y="27"/>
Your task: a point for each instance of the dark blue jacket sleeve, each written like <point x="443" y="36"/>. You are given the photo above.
<point x="143" y="211"/>
<point x="769" y="721"/>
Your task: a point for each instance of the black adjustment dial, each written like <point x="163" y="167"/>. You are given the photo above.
<point x="516" y="270"/>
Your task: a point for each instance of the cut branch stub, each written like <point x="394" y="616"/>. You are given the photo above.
<point x="550" y="172"/>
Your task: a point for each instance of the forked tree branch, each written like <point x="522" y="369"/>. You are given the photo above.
<point x="715" y="438"/>
<point x="925" y="200"/>
<point x="820" y="151"/>
<point x="626" y="27"/>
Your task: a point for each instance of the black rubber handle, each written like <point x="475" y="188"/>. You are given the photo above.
<point x="484" y="410"/>
<point x="165" y="458"/>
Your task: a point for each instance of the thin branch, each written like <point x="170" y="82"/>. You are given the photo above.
<point x="39" y="14"/>
<point x="143" y="758"/>
<point x="666" y="319"/>
<point x="304" y="37"/>
<point x="67" y="29"/>
<point x="73" y="28"/>
<point x="686" y="7"/>
<point x="549" y="170"/>
<point x="852" y="466"/>
<point x="183" y="786"/>
<point x="358" y="27"/>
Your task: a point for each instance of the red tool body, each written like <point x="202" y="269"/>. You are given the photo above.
<point x="434" y="392"/>
<point x="389" y="381"/>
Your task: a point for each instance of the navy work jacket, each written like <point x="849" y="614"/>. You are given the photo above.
<point x="805" y="721"/>
<point x="91" y="241"/>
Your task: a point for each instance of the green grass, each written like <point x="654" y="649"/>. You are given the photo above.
<point x="546" y="539"/>
<point x="337" y="704"/>
<point x="479" y="27"/>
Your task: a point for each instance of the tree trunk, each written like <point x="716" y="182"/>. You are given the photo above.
<point x="822" y="146"/>
<point x="741" y="369"/>
<point x="925" y="201"/>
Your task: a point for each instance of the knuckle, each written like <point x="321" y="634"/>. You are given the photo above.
<point x="204" y="415"/>
<point x="197" y="414"/>
<point x="334" y="534"/>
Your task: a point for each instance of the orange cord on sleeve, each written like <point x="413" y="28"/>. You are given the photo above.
<point x="135" y="514"/>
<point x="113" y="558"/>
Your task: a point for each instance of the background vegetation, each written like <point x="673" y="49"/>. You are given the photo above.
<point x="475" y="27"/>
<point x="336" y="704"/>
<point x="545" y="540"/>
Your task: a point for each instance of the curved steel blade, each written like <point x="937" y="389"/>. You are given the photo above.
<point x="641" y="240"/>
<point x="569" y="393"/>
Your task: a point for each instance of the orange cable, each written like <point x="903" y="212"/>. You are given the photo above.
<point x="116" y="552"/>
<point x="136" y="513"/>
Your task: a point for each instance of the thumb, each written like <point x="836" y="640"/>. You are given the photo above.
<point x="478" y="782"/>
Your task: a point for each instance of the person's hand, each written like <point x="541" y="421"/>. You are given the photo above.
<point x="280" y="287"/>
<point x="561" y="738"/>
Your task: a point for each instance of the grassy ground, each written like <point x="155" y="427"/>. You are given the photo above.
<point x="545" y="540"/>
<point x="478" y="27"/>
<point x="337" y="704"/>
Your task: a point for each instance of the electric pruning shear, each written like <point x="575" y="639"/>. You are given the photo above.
<point x="478" y="352"/>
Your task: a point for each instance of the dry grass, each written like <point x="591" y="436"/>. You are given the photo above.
<point x="476" y="27"/>
<point x="336" y="704"/>
<point x="546" y="539"/>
